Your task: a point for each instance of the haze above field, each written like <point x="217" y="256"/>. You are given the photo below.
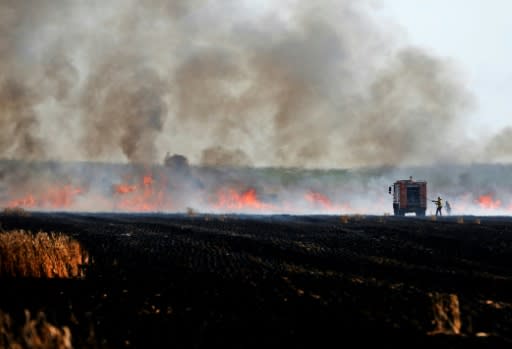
<point x="85" y="186"/>
<point x="330" y="84"/>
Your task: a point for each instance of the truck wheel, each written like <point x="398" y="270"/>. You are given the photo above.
<point x="420" y="213"/>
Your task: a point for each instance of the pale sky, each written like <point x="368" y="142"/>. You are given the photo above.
<point x="477" y="36"/>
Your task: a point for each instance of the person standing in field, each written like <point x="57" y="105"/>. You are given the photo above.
<point x="439" y="205"/>
<point x="448" y="208"/>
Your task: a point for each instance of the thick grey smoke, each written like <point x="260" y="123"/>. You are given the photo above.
<point x="214" y="156"/>
<point x="500" y="146"/>
<point x="311" y="84"/>
<point x="123" y="108"/>
<point x="412" y="114"/>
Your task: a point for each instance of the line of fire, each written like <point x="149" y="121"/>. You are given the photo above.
<point x="177" y="186"/>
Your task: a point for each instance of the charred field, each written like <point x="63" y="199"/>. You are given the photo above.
<point x="245" y="281"/>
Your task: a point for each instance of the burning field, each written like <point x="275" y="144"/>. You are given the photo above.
<point x="296" y="116"/>
<point x="200" y="280"/>
<point x="177" y="187"/>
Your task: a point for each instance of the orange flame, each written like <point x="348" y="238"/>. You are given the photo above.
<point x="53" y="197"/>
<point x="232" y="200"/>
<point x="154" y="193"/>
<point x="148" y="180"/>
<point x="27" y="202"/>
<point x="487" y="202"/>
<point x="319" y="199"/>
<point x="144" y="198"/>
<point x="124" y="188"/>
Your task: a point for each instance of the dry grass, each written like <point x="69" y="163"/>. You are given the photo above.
<point x="41" y="255"/>
<point x="16" y="211"/>
<point x="34" y="334"/>
<point x="191" y="212"/>
<point x="446" y="314"/>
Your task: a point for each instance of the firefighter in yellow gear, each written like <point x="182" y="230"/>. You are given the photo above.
<point x="439" y="205"/>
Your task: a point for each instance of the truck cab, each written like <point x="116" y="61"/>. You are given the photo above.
<point x="409" y="196"/>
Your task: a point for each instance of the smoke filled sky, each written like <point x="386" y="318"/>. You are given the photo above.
<point x="332" y="84"/>
<point x="473" y="33"/>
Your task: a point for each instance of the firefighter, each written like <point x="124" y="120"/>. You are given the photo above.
<point x="439" y="205"/>
<point x="448" y="208"/>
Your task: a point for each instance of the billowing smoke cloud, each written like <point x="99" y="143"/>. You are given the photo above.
<point x="18" y="122"/>
<point x="123" y="109"/>
<point x="500" y="146"/>
<point x="308" y="84"/>
<point x="218" y="155"/>
<point x="412" y="114"/>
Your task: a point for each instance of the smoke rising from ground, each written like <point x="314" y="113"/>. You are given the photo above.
<point x="308" y="85"/>
<point x="178" y="187"/>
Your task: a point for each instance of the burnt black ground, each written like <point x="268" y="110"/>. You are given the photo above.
<point x="247" y="281"/>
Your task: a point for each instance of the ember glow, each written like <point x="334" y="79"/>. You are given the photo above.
<point x="53" y="197"/>
<point x="231" y="200"/>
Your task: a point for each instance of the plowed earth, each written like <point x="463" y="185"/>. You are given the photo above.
<point x="247" y="281"/>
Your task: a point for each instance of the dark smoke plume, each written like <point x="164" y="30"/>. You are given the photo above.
<point x="309" y="84"/>
<point x="123" y="109"/>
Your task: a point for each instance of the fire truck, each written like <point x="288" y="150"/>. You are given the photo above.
<point x="409" y="196"/>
